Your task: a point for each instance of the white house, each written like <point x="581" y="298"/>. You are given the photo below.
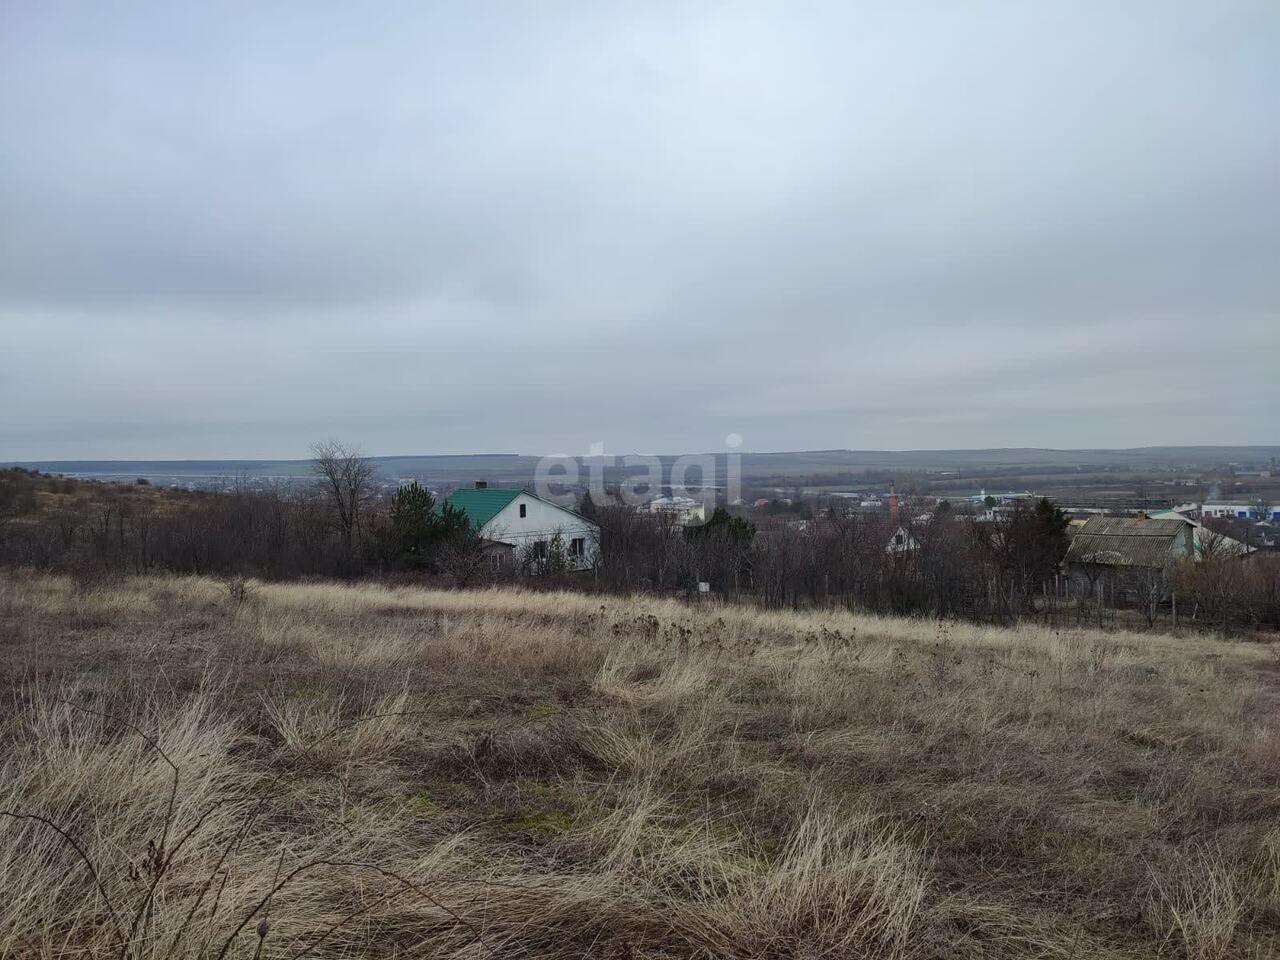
<point x="683" y="511"/>
<point x="528" y="524"/>
<point x="1205" y="541"/>
<point x="902" y="542"/>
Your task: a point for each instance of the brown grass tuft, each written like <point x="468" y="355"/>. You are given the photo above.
<point x="189" y="769"/>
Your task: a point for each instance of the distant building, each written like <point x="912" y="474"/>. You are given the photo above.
<point x="997" y="512"/>
<point x="682" y="511"/>
<point x="901" y="542"/>
<point x="982" y="496"/>
<point x="1268" y="534"/>
<point x="520" y="527"/>
<point x="1237" y="510"/>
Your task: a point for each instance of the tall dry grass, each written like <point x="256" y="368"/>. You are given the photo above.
<point x="193" y="770"/>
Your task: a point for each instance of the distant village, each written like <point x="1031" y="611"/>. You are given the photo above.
<point x="1082" y="542"/>
<point x="1120" y="527"/>
<point x="1102" y="542"/>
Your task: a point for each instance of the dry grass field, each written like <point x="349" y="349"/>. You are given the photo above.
<point x="188" y="770"/>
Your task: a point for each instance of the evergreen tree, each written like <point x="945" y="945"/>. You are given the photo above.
<point x="1052" y="519"/>
<point x="452" y="524"/>
<point x="725" y="524"/>
<point x="418" y="532"/>
<point x="413" y="524"/>
<point x="1035" y="542"/>
<point x="1053" y="525"/>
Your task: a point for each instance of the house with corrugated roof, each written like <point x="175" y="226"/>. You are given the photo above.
<point x="524" y="531"/>
<point x="1128" y="545"/>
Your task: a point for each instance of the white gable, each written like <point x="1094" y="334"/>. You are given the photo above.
<point x="528" y="519"/>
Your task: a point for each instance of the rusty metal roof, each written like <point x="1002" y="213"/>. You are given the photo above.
<point x="1127" y="542"/>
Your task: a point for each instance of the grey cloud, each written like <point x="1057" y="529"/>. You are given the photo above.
<point x="224" y="232"/>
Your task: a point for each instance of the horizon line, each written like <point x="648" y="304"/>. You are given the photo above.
<point x="585" y="456"/>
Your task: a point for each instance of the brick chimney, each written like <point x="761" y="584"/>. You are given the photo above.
<point x="482" y="484"/>
<point x="893" y="504"/>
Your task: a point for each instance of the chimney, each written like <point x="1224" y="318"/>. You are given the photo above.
<point x="482" y="484"/>
<point x="893" y="504"/>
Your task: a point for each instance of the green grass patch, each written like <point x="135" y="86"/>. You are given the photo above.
<point x="544" y="711"/>
<point x="421" y="805"/>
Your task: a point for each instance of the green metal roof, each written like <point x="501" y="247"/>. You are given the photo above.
<point x="481" y="506"/>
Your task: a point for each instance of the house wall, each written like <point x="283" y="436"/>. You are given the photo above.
<point x="901" y="541"/>
<point x="500" y="556"/>
<point x="684" y="514"/>
<point x="542" y="520"/>
<point x="1185" y="547"/>
<point x="1201" y="536"/>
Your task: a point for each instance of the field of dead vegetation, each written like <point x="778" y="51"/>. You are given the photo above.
<point x="195" y="769"/>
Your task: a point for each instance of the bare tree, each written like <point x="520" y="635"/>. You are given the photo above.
<point x="1212" y="544"/>
<point x="1150" y="588"/>
<point x="464" y="559"/>
<point x="347" y="475"/>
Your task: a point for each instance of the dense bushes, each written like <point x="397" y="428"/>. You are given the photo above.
<point x="272" y="532"/>
<point x="88" y="527"/>
<point x="941" y="565"/>
<point x="1228" y="592"/>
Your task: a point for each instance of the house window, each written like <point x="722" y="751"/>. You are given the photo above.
<point x="577" y="547"/>
<point x="540" y="550"/>
<point x="524" y="510"/>
<point x="897" y="539"/>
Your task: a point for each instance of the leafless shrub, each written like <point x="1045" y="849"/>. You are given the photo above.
<point x="239" y="590"/>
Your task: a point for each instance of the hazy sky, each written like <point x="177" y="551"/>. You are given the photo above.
<point x="228" y="230"/>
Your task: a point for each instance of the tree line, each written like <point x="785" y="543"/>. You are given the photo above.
<point x="941" y="565"/>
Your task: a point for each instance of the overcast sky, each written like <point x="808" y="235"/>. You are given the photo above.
<point x="228" y="230"/>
